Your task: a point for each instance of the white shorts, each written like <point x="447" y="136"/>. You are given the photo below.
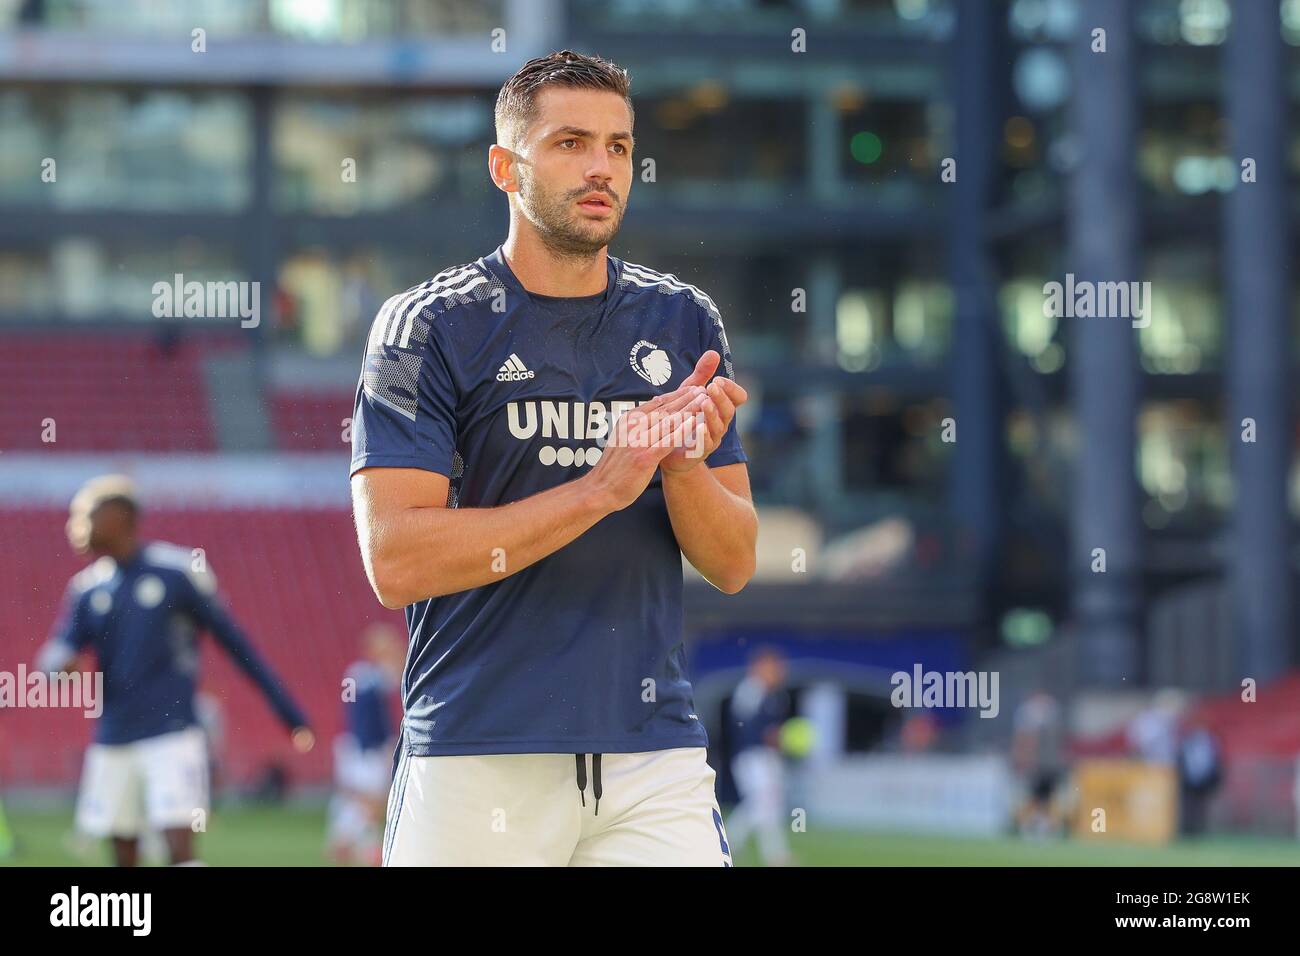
<point x="656" y="809"/>
<point x="157" y="782"/>
<point x="361" y="771"/>
<point x="760" y="778"/>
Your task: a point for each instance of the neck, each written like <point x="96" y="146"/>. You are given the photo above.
<point x="121" y="552"/>
<point x="545" y="271"/>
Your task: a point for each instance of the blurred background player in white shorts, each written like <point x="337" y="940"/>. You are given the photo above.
<point x="141" y="607"/>
<point x="759" y="707"/>
<point x="363" y="753"/>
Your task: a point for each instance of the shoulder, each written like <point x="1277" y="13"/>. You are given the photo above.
<point x="90" y="576"/>
<point x="405" y="319"/>
<point x="638" y="279"/>
<point x="183" y="562"/>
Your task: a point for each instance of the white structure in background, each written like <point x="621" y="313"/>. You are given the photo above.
<point x="928" y="793"/>
<point x="826" y="705"/>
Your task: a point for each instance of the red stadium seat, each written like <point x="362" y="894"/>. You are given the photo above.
<point x="106" y="391"/>
<point x="310" y="421"/>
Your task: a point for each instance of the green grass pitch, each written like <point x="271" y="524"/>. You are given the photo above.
<point x="293" y="836"/>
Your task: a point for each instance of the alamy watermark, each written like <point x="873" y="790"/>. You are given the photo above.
<point x="57" y="689"/>
<point x="1102" y="300"/>
<point x="133" y="911"/>
<point x="179" y="299"/>
<point x="926" y="689"/>
<point x="659" y="428"/>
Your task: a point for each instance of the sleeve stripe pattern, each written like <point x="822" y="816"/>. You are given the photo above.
<point x="667" y="283"/>
<point x="385" y="402"/>
<point x="399" y="306"/>
<point x="392" y="366"/>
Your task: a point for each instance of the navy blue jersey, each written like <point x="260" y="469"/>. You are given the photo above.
<point x="466" y="375"/>
<point x="142" y="618"/>
<point x="366" y="716"/>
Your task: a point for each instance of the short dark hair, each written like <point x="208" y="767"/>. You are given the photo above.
<point x="517" y="102"/>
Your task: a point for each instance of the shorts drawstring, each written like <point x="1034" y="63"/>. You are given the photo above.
<point x="581" y="760"/>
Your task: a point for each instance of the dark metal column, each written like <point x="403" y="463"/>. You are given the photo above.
<point x="1258" y="341"/>
<point x="976" y="493"/>
<point x="260" y="248"/>
<point x="1102" y="360"/>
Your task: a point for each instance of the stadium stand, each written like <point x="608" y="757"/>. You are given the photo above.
<point x="310" y="421"/>
<point x="107" y="392"/>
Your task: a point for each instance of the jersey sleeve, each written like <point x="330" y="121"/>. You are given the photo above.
<point x="405" y="411"/>
<point x="70" y="634"/>
<point x="200" y="597"/>
<point x="730" y="451"/>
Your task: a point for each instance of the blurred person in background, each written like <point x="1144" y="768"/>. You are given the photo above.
<point x="363" y="753"/>
<point x="211" y="717"/>
<point x="1038" y="760"/>
<point x="358" y="301"/>
<point x="1200" y="771"/>
<point x="1153" y="734"/>
<point x="759" y="707"/>
<point x="141" y="606"/>
<point x="918" y="733"/>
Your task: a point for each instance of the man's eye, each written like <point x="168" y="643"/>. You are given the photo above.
<point x="568" y="141"/>
<point x="620" y="147"/>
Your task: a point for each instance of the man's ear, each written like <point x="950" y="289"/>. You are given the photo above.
<point x="501" y="167"/>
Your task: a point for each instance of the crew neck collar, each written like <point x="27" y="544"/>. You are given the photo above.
<point x="496" y="264"/>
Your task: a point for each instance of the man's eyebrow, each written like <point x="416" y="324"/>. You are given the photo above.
<point x="579" y="131"/>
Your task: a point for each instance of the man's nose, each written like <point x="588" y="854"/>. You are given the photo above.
<point x="601" y="168"/>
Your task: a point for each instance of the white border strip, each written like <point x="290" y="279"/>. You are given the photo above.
<point x="279" y="480"/>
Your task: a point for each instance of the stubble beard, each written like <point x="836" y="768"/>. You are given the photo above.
<point x="563" y="235"/>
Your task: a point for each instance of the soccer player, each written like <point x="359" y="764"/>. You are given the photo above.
<point x="759" y="707"/>
<point x="141" y="606"/>
<point x="531" y="517"/>
<point x="363" y="753"/>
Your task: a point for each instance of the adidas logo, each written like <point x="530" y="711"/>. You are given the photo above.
<point x="514" y="370"/>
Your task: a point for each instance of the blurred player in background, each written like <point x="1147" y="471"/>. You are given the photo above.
<point x="140" y="607"/>
<point x="363" y="753"/>
<point x="210" y="716"/>
<point x="510" y="494"/>
<point x="759" y="707"/>
<point x="1200" y="772"/>
<point x="1038" y="751"/>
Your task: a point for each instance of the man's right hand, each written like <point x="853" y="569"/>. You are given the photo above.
<point x="641" y="438"/>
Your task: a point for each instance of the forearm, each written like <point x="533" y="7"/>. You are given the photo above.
<point x="419" y="553"/>
<point x="716" y="529"/>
